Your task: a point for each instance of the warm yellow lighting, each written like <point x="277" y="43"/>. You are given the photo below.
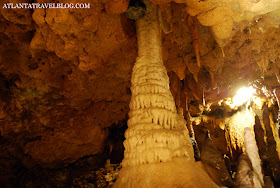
<point x="259" y="102"/>
<point x="236" y="124"/>
<point x="243" y="95"/>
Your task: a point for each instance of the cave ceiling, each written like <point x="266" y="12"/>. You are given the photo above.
<point x="66" y="72"/>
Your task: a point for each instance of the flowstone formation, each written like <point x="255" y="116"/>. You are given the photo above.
<point x="158" y="151"/>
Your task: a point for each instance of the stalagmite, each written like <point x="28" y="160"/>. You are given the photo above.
<point x="192" y="137"/>
<point x="272" y="155"/>
<point x="260" y="137"/>
<point x="261" y="144"/>
<point x="253" y="154"/>
<point x="245" y="176"/>
<point x="158" y="151"/>
<point x="214" y="161"/>
<point x="276" y="92"/>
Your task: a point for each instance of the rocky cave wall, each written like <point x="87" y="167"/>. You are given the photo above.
<point x="65" y="74"/>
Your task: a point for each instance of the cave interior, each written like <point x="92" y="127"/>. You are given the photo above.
<point x="65" y="88"/>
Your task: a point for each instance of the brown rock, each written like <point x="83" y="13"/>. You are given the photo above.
<point x="67" y="144"/>
<point x="38" y="42"/>
<point x="272" y="157"/>
<point x="87" y="63"/>
<point x="39" y="16"/>
<point x="213" y="158"/>
<point x="42" y="63"/>
<point x="116" y="6"/>
<point x="19" y="15"/>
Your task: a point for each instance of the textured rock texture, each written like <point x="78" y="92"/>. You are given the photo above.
<point x="158" y="150"/>
<point x="156" y="133"/>
<point x="213" y="159"/>
<point x="65" y="73"/>
<point x="56" y="110"/>
<point x="245" y="176"/>
<point x="253" y="153"/>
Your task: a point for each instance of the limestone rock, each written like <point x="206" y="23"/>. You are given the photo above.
<point x="116" y="6"/>
<point x="213" y="158"/>
<point x="245" y="176"/>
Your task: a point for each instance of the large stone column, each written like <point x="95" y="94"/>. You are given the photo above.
<point x="158" y="151"/>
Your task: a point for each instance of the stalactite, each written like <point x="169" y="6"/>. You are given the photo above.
<point x="192" y="25"/>
<point x="219" y="41"/>
<point x="158" y="151"/>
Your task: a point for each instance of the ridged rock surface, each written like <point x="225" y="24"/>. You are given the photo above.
<point x="158" y="151"/>
<point x="65" y="75"/>
<point x="156" y="133"/>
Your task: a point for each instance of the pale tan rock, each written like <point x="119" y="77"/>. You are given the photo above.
<point x="223" y="30"/>
<point x="253" y="153"/>
<point x="215" y="16"/>
<point x="217" y="12"/>
<point x="157" y="139"/>
<point x="192" y="11"/>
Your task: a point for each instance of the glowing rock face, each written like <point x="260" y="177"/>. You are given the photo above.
<point x="156" y="133"/>
<point x="235" y="127"/>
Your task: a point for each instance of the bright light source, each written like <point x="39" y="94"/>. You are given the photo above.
<point x="243" y="95"/>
